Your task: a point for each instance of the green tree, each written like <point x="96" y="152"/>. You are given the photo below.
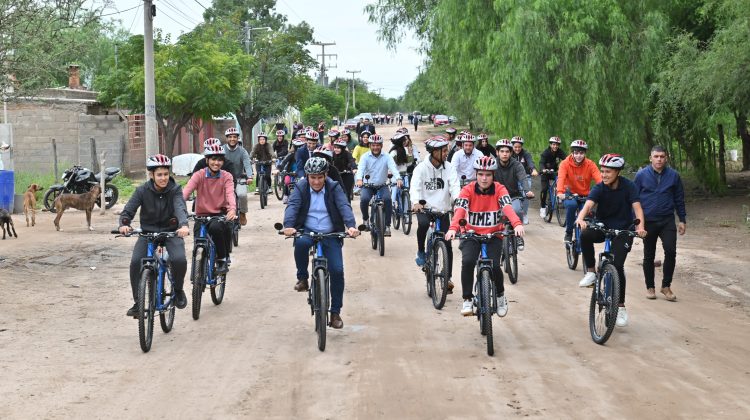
<point x="315" y="113"/>
<point x="332" y="102"/>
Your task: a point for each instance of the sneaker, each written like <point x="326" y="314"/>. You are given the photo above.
<point x="667" y="292"/>
<point x="133" y="311"/>
<point x="180" y="299"/>
<point x="421" y="257"/>
<point x="243" y="219"/>
<point x="301" y="285"/>
<point x="285" y="199"/>
<point x="221" y="267"/>
<point x="568" y="237"/>
<point x="587" y="280"/>
<point x="525" y="219"/>
<point x="468" y="308"/>
<point x="543" y="212"/>
<point x="387" y="231"/>
<point x="519" y="243"/>
<point x="502" y="306"/>
<point x="450" y="287"/>
<point x="651" y="293"/>
<point x="367" y="225"/>
<point x="622" y="317"/>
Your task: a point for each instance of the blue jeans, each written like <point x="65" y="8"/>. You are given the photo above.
<point x="332" y="251"/>
<point x="364" y="202"/>
<point x="571" y="207"/>
<point x="527" y="187"/>
<point x="396" y="192"/>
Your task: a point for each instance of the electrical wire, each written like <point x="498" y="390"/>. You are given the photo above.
<point x="121" y="11"/>
<point x="180" y="12"/>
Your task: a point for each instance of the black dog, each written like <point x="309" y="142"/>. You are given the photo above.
<point x="7" y="224"/>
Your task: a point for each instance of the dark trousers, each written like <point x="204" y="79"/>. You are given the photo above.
<point x="332" y="251"/>
<point x="266" y="168"/>
<point x="423" y="224"/>
<point x="220" y="233"/>
<point x="620" y="248"/>
<point x="348" y="180"/>
<point x="667" y="231"/>
<point x="545" y="190"/>
<point x="470" y="252"/>
<point x="366" y="194"/>
<point x="178" y="262"/>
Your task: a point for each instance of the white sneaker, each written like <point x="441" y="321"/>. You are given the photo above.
<point x="587" y="280"/>
<point x="525" y="219"/>
<point x="520" y="245"/>
<point x="502" y="306"/>
<point x="543" y="212"/>
<point x="468" y="308"/>
<point x="622" y="317"/>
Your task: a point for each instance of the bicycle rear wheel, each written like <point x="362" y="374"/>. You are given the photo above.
<point x="217" y="290"/>
<point x="407" y="214"/>
<point x="381" y="231"/>
<point x="550" y="208"/>
<point x="198" y="279"/>
<point x="559" y="213"/>
<point x="605" y="299"/>
<point x="278" y="185"/>
<point x="236" y="233"/>
<point x="321" y="306"/>
<point x="572" y="255"/>
<point x="485" y="309"/>
<point x="146" y="304"/>
<point x="511" y="259"/>
<point x="439" y="273"/>
<point x="166" y="318"/>
<point x="263" y="190"/>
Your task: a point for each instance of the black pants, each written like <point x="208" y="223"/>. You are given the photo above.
<point x="220" y="233"/>
<point x="178" y="262"/>
<point x="620" y="248"/>
<point x="348" y="180"/>
<point x="667" y="231"/>
<point x="423" y="224"/>
<point x="266" y="168"/>
<point x="470" y="252"/>
<point x="545" y="190"/>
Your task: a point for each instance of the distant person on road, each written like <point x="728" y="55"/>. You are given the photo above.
<point x="662" y="195"/>
<point x="367" y="126"/>
<point x="549" y="161"/>
<point x="400" y="120"/>
<point x="416" y="122"/>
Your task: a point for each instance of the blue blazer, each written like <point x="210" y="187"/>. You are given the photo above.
<point x="337" y="204"/>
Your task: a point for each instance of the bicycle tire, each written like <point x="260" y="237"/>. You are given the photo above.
<point x="572" y="255"/>
<point x="439" y="273"/>
<point x="321" y="314"/>
<point x="198" y="278"/>
<point x="396" y="214"/>
<point x="550" y="208"/>
<point x="559" y="208"/>
<point x="511" y="262"/>
<point x="278" y="186"/>
<point x="373" y="227"/>
<point x="235" y="235"/>
<point x="406" y="202"/>
<point x="263" y="190"/>
<point x="381" y="231"/>
<point x="166" y="318"/>
<point x="485" y="309"/>
<point x="145" y="304"/>
<point x="49" y="200"/>
<point x="604" y="305"/>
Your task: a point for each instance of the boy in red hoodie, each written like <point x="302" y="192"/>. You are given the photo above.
<point x="575" y="174"/>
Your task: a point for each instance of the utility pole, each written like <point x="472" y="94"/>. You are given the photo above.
<point x="152" y="130"/>
<point x="354" y="88"/>
<point x="323" y="78"/>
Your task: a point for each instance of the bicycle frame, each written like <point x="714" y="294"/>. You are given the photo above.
<point x="159" y="265"/>
<point x="205" y="240"/>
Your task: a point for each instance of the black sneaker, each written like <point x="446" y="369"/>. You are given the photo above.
<point x="180" y="299"/>
<point x="367" y="225"/>
<point x="568" y="236"/>
<point x="133" y="312"/>
<point x="221" y="267"/>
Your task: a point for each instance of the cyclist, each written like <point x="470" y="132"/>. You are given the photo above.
<point x="456" y="142"/>
<point x="616" y="199"/>
<point x="280" y="146"/>
<point x="377" y="165"/>
<point x="201" y="164"/>
<point x="450" y="137"/>
<point x="511" y="175"/>
<point x="481" y="204"/>
<point x="484" y="145"/>
<point x="435" y="182"/>
<point x="345" y="164"/>
<point x="289" y="165"/>
<point x="463" y="162"/>
<point x="304" y="153"/>
<point x="524" y="157"/>
<point x="346" y="135"/>
<point x="363" y="146"/>
<point x="550" y="159"/>
<point x="411" y="149"/>
<point x="326" y="154"/>
<point x="319" y="204"/>
<point x="333" y="134"/>
<point x="403" y="158"/>
<point x="162" y="209"/>
<point x="215" y="197"/>
<point x="263" y="152"/>
<point x="240" y="165"/>
<point x="575" y="174"/>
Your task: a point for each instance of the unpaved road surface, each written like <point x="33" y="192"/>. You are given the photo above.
<point x="68" y="351"/>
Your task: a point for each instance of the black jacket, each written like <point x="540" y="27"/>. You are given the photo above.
<point x="344" y="161"/>
<point x="550" y="160"/>
<point x="525" y="159"/>
<point x="281" y="148"/>
<point x="156" y="208"/>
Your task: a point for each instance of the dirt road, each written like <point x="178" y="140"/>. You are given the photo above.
<point x="68" y="351"/>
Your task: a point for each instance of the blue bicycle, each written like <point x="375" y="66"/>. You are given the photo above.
<point x="573" y="247"/>
<point x="402" y="214"/>
<point x="436" y="267"/>
<point x="552" y="204"/>
<point x="262" y="184"/>
<point x="203" y="273"/>
<point x="377" y="216"/>
<point x="155" y="294"/>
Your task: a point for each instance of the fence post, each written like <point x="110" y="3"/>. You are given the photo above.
<point x="94" y="160"/>
<point x="54" y="158"/>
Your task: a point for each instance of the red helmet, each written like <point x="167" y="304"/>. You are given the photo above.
<point x="333" y="133"/>
<point x="213" y="150"/>
<point x="312" y="135"/>
<point x="612" y="160"/>
<point x="485" y="163"/>
<point x="231" y="131"/>
<point x="339" y="142"/>
<point x="436" y="143"/>
<point x="579" y="144"/>
<point x="345" y="131"/>
<point x="158" y="161"/>
<point x="482" y="136"/>
<point x="376" y="139"/>
<point x="211" y="141"/>
<point x="504" y="143"/>
<point x="450" y="130"/>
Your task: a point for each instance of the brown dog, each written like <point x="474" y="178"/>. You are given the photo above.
<point x="29" y="203"/>
<point x="79" y="202"/>
<point x="7" y="224"/>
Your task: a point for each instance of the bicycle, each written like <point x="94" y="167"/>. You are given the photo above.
<point x="155" y="295"/>
<point x="485" y="296"/>
<point x="236" y="225"/>
<point x="319" y="292"/>
<point x="377" y="217"/>
<point x="260" y="184"/>
<point x="573" y="248"/>
<point x="202" y="270"/>
<point x="436" y="264"/>
<point x="402" y="214"/>
<point x="605" y="298"/>
<point x="552" y="204"/>
<point x="510" y="254"/>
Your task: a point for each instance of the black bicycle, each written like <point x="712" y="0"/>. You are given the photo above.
<point x="402" y="214"/>
<point x="377" y="217"/>
<point x="551" y="203"/>
<point x="436" y="267"/>
<point x="605" y="298"/>
<point x="573" y="247"/>
<point x="510" y="255"/>
<point x="156" y="293"/>
<point x="319" y="293"/>
<point x="203" y="272"/>
<point x="278" y="183"/>
<point x="261" y="183"/>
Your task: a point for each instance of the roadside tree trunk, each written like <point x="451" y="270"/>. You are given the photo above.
<point x="722" y="152"/>
<point x="741" y="119"/>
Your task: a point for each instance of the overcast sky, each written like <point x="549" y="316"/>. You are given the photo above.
<point x="341" y="21"/>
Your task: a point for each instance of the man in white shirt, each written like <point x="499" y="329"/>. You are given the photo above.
<point x="463" y="163"/>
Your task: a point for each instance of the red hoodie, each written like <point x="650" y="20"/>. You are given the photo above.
<point x="482" y="210"/>
<point x="577" y="177"/>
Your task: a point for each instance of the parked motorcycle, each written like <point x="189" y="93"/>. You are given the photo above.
<point x="78" y="180"/>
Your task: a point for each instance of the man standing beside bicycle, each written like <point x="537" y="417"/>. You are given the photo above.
<point x="482" y="204"/>
<point x="617" y="200"/>
<point x="240" y="164"/>
<point x="511" y="175"/>
<point x="463" y="160"/>
<point x="435" y="182"/>
<point x="319" y="204"/>
<point x="376" y="165"/>
<point x="548" y="163"/>
<point x="662" y="195"/>
<point x="575" y="175"/>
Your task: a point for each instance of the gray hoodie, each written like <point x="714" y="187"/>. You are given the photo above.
<point x="240" y="161"/>
<point x="156" y="208"/>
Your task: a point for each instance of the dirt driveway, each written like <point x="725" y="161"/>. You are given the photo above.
<point x="68" y="351"/>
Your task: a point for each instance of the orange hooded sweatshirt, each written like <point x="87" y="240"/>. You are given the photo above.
<point x="577" y="177"/>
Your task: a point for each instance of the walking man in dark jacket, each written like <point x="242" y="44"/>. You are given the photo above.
<point x="662" y="195"/>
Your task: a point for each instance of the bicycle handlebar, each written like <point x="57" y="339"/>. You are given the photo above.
<point x="140" y="232"/>
<point x="207" y="218"/>
<point x="594" y="225"/>
<point x="470" y="234"/>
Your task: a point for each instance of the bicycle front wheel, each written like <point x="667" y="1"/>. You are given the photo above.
<point x="374" y="227"/>
<point x="146" y="306"/>
<point x="198" y="279"/>
<point x="550" y="207"/>
<point x="560" y="213"/>
<point x="439" y="273"/>
<point x="217" y="290"/>
<point x="166" y="318"/>
<point x="511" y="262"/>
<point x="485" y="309"/>
<point x="571" y="254"/>
<point x="278" y="186"/>
<point x="263" y="190"/>
<point x="321" y="306"/>
<point x="407" y="214"/>
<point x="605" y="299"/>
<point x="381" y="231"/>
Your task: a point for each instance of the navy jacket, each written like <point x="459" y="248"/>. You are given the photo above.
<point x="301" y="156"/>
<point x="661" y="194"/>
<point x="338" y="206"/>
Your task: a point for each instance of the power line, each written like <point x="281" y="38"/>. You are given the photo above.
<point x="179" y="12"/>
<point x="175" y="21"/>
<point x="121" y="11"/>
<point x="134" y="18"/>
<point x="199" y="4"/>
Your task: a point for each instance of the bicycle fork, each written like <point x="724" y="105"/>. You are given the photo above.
<point x="484" y="264"/>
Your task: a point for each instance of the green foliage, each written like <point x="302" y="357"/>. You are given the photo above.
<point x="315" y="113"/>
<point x="332" y="102"/>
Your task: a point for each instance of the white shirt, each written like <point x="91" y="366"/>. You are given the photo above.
<point x="437" y="186"/>
<point x="464" y="164"/>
